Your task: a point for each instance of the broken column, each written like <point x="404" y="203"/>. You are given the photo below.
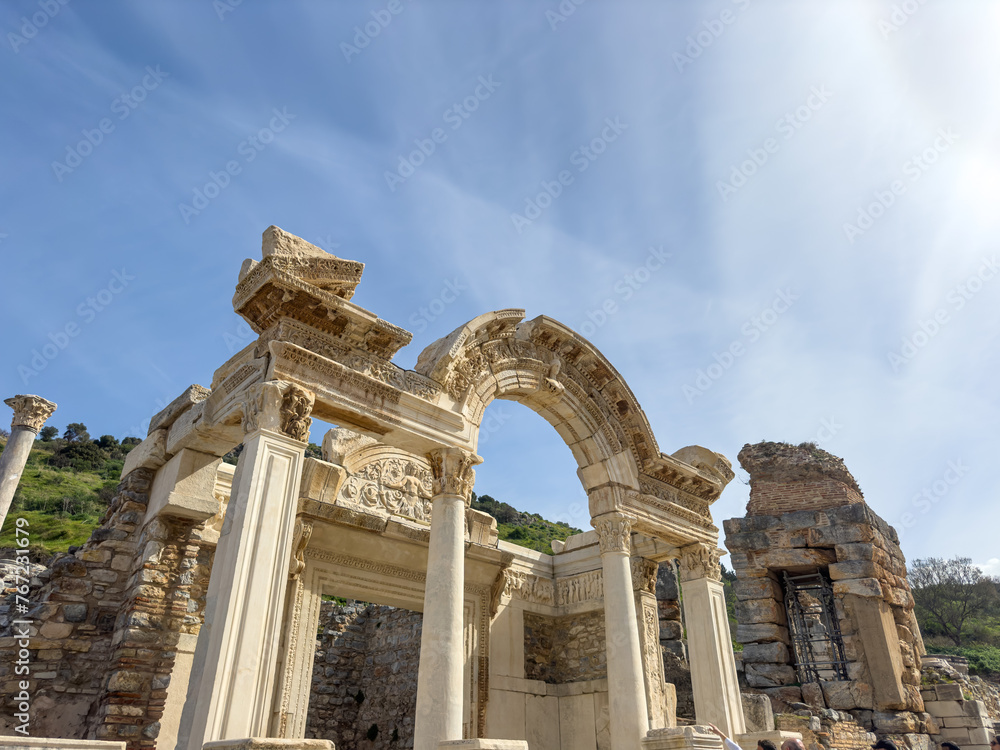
<point x="824" y="608"/>
<point x="30" y="413"/>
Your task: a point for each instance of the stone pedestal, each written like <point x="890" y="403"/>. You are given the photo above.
<point x="710" y="647"/>
<point x="439" y="679"/>
<point x="626" y="688"/>
<point x="682" y="738"/>
<point x="269" y="743"/>
<point x="483" y="745"/>
<point x="232" y="680"/>
<point x="30" y="413"/>
<point x="17" y="742"/>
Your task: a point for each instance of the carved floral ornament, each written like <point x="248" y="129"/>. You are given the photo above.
<point x="279" y="407"/>
<point x="453" y="472"/>
<point x="395" y="485"/>
<point x="700" y="561"/>
<point x="30" y="411"/>
<point x="615" y="532"/>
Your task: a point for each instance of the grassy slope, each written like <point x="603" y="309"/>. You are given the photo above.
<point x="62" y="506"/>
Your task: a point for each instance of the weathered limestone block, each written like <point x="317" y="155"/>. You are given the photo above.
<point x="151" y="453"/>
<point x="895" y="722"/>
<point x="830" y="536"/>
<point x="766" y="653"/>
<point x="748" y="541"/>
<point x="766" y="632"/>
<point x="863" y="587"/>
<point x="812" y="694"/>
<point x="794" y="559"/>
<point x="671" y="630"/>
<point x="758" y="588"/>
<point x="194" y="394"/>
<point x="184" y="487"/>
<point x="853" y="569"/>
<point x="844" y="695"/>
<point x="756" y="611"/>
<point x="757" y="713"/>
<point x="769" y="675"/>
<point x="782" y="697"/>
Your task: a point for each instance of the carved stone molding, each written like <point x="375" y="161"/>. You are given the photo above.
<point x="499" y="586"/>
<point x="615" y="532"/>
<point x="300" y="540"/>
<point x="453" y="472"/>
<point x="30" y="411"/>
<point x="644" y="574"/>
<point x="279" y="407"/>
<point x="700" y="561"/>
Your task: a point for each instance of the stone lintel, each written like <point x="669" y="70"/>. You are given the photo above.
<point x="194" y="394"/>
<point x="483" y="744"/>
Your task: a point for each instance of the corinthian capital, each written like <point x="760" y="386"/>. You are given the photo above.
<point x="700" y="561"/>
<point x="30" y="411"/>
<point x="279" y="407"/>
<point x="615" y="532"/>
<point x="453" y="471"/>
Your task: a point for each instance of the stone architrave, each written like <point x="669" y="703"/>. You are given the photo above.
<point x="439" y="679"/>
<point x="626" y="683"/>
<point x="30" y="413"/>
<point x="710" y="647"/>
<point x="232" y="680"/>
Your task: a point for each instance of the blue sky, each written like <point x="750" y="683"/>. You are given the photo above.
<point x="789" y="209"/>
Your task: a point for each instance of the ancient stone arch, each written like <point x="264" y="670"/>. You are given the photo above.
<point x="384" y="516"/>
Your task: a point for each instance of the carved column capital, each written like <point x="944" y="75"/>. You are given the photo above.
<point x="453" y="471"/>
<point x="30" y="411"/>
<point x="700" y="561"/>
<point x="279" y="407"/>
<point x="615" y="532"/>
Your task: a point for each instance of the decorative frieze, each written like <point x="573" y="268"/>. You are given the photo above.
<point x="585" y="587"/>
<point x="644" y="574"/>
<point x="530" y="588"/>
<point x="395" y="485"/>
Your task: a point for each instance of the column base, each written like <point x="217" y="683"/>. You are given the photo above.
<point x="749" y="740"/>
<point x="269" y="743"/>
<point x="481" y="744"/>
<point x="682" y="738"/>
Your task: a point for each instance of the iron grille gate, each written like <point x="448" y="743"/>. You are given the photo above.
<point x="814" y="627"/>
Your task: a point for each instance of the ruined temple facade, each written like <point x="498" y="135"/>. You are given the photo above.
<point x="191" y="614"/>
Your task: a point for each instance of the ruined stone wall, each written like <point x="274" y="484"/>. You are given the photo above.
<point x="564" y="649"/>
<point x="106" y="622"/>
<point x="830" y="729"/>
<point x="365" y="676"/>
<point x="806" y="514"/>
<point x="73" y="617"/>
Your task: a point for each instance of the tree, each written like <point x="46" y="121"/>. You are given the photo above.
<point x="76" y="432"/>
<point x="108" y="443"/>
<point x="951" y="594"/>
<point x="48" y="434"/>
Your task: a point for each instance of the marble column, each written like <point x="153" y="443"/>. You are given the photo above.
<point x="439" y="678"/>
<point x="710" y="646"/>
<point x="30" y="413"/>
<point x="233" y="676"/>
<point x="626" y="684"/>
